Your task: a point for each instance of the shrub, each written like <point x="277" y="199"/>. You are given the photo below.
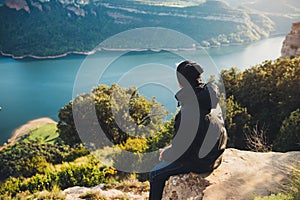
<point x="11" y="186"/>
<point x="237" y="122"/>
<point x="76" y="152"/>
<point x="269" y="91"/>
<point x="86" y="175"/>
<point x="131" y="155"/>
<point x="289" y="133"/>
<point x="162" y="138"/>
<point x="39" y="182"/>
<point x="257" y="140"/>
<point x="29" y="158"/>
<point x="19" y="196"/>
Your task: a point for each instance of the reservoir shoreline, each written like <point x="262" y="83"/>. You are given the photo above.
<point x="25" y="129"/>
<point x="120" y="49"/>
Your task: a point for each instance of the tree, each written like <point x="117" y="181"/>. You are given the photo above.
<point x="289" y="134"/>
<point x="162" y="138"/>
<point x="269" y="91"/>
<point x="231" y="79"/>
<point x="121" y="113"/>
<point x="237" y="122"/>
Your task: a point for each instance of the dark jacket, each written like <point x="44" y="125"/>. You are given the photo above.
<point x="200" y="137"/>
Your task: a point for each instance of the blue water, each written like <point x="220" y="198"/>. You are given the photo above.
<point x="32" y="88"/>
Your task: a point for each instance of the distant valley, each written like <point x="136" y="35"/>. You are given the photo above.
<point x="53" y="27"/>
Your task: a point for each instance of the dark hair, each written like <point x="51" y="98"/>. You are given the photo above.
<point x="188" y="73"/>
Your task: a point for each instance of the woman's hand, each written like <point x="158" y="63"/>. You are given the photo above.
<point x="161" y="151"/>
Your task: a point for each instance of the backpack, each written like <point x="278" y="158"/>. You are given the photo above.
<point x="215" y="139"/>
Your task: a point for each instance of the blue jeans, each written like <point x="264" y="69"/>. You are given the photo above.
<point x="160" y="173"/>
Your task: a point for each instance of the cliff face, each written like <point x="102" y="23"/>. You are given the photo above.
<point x="291" y="44"/>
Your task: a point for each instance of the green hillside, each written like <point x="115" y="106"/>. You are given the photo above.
<point x="51" y="28"/>
<point x="44" y="134"/>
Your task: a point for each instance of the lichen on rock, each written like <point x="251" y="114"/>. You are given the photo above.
<point x="185" y="186"/>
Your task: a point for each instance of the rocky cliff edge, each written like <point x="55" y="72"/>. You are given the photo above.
<point x="242" y="175"/>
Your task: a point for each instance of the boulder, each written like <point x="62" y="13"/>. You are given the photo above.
<point x="242" y="175"/>
<point x="101" y="192"/>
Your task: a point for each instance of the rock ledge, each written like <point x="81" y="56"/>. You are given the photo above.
<point x="241" y="176"/>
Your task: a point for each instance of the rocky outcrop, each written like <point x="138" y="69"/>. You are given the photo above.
<point x="79" y="193"/>
<point x="291" y="44"/>
<point x="242" y="175"/>
<point x="131" y="190"/>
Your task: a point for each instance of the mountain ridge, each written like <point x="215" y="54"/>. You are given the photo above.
<point x="54" y="27"/>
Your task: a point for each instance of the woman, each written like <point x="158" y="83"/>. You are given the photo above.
<point x="195" y="125"/>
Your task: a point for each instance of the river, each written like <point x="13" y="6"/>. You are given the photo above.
<point x="31" y="88"/>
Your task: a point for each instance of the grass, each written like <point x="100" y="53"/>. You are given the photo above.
<point x="54" y="194"/>
<point x="44" y="134"/>
<point x="92" y="196"/>
<point x="130" y="185"/>
<point x="279" y="196"/>
<point x="77" y="161"/>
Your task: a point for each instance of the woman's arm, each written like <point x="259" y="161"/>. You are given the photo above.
<point x="161" y="151"/>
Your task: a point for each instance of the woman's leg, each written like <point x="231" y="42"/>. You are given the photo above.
<point x="160" y="173"/>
